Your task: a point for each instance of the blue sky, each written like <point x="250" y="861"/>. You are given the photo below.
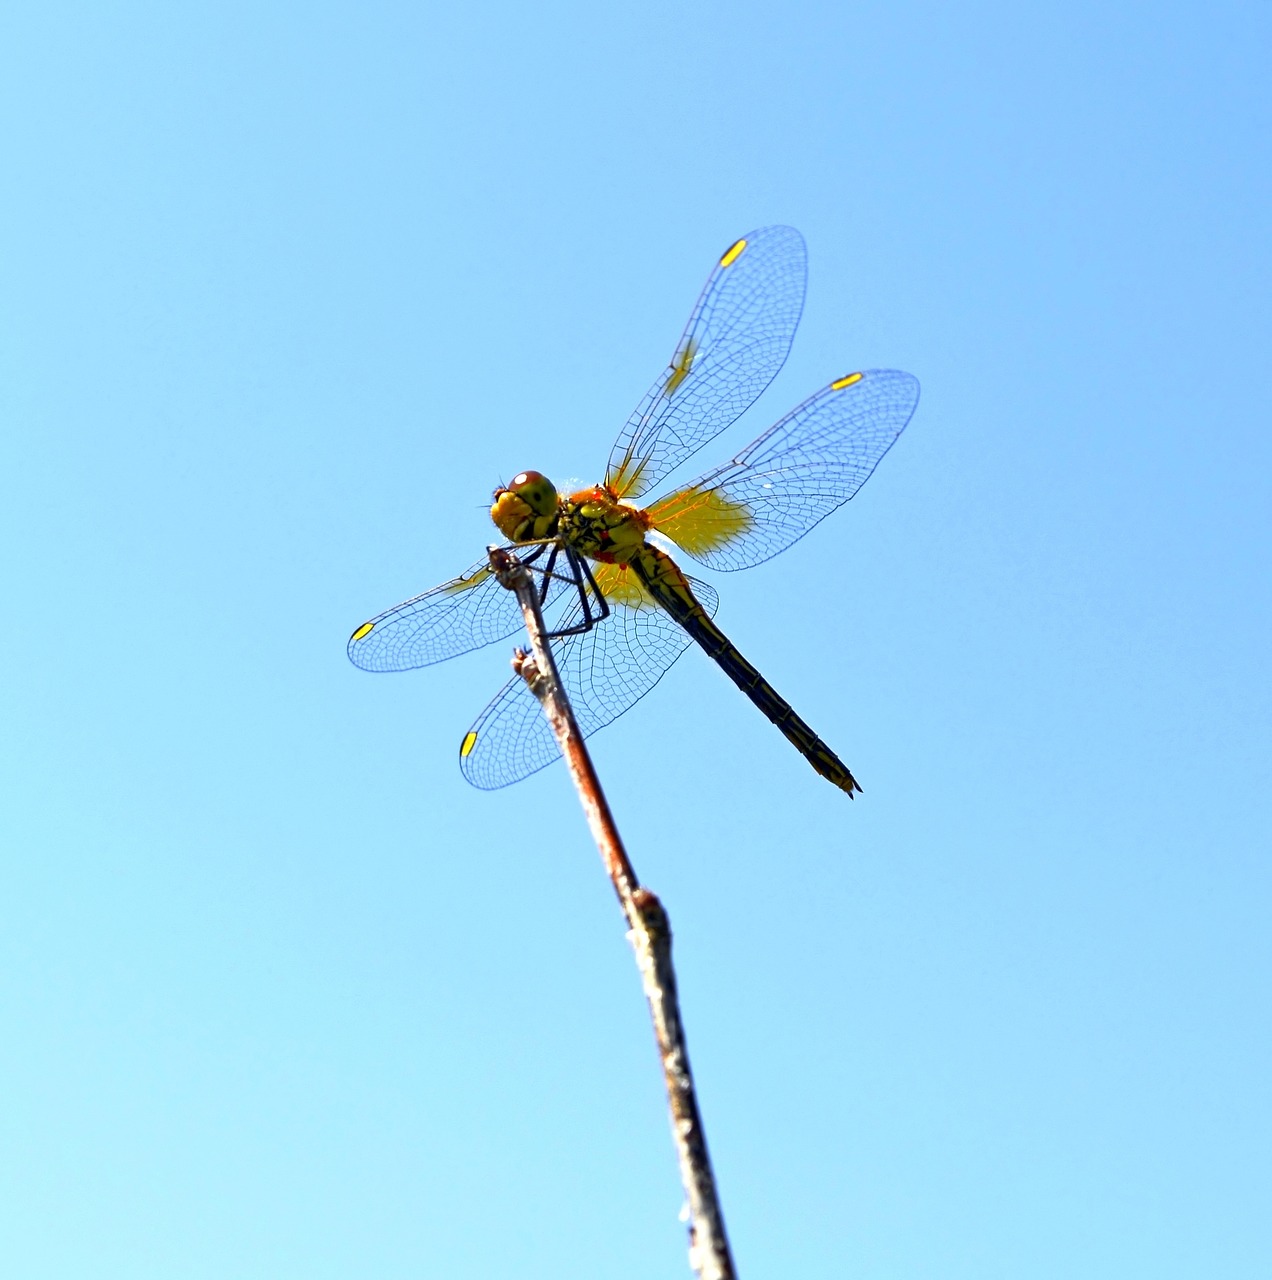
<point x="286" y="292"/>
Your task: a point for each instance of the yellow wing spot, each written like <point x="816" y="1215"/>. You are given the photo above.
<point x="464" y="584"/>
<point x="846" y="382"/>
<point x="680" y="367"/>
<point x="700" y="520"/>
<point x="466" y="747"/>
<point x="365" y="629"/>
<point x="733" y="254"/>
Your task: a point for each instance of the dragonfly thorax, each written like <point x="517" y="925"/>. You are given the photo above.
<point x="596" y="524"/>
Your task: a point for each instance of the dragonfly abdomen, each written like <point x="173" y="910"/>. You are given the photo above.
<point x="665" y="582"/>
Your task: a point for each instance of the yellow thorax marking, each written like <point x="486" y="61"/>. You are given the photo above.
<point x="362" y="631"/>
<point x="846" y="382"/>
<point x="733" y="254"/>
<point x="700" y="520"/>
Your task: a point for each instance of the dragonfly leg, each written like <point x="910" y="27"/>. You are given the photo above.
<point x="592" y="602"/>
<point x="547" y="571"/>
<point x="597" y="593"/>
<point x="595" y="608"/>
<point x="528" y="552"/>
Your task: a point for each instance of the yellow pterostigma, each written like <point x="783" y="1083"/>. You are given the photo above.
<point x="620" y="609"/>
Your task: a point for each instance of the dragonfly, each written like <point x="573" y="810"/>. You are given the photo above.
<point x="621" y="610"/>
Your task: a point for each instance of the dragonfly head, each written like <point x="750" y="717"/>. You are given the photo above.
<point x="527" y="508"/>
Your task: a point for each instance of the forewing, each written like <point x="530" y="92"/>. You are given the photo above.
<point x="604" y="670"/>
<point x="735" y="342"/>
<point x="793" y="476"/>
<point x="465" y="613"/>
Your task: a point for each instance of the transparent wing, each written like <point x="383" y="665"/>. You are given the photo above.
<point x="793" y="476"/>
<point x="465" y="613"/>
<point x="735" y="342"/>
<point x="605" y="671"/>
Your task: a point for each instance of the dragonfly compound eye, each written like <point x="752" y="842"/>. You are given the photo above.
<point x="536" y="491"/>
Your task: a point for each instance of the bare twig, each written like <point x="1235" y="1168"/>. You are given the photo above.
<point x="649" y="931"/>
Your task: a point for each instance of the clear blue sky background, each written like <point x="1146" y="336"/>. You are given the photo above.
<point x="286" y="291"/>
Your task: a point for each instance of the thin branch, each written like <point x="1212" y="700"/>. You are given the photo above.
<point x="649" y="931"/>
